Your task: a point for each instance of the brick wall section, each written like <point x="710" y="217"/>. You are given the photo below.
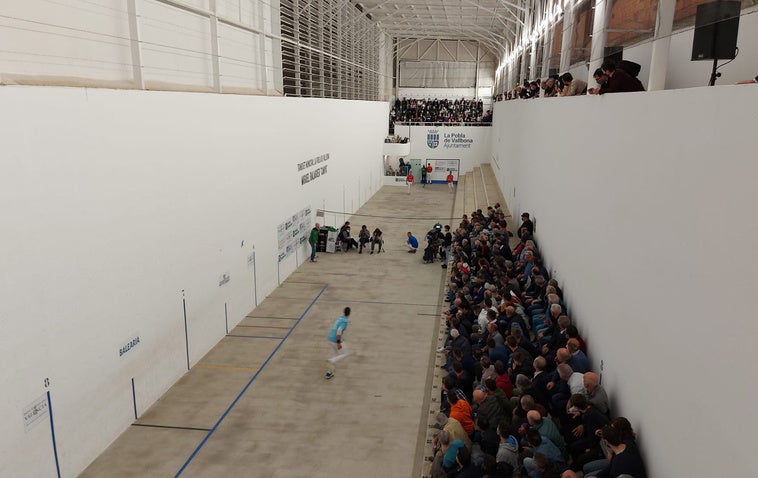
<point x="629" y="15"/>
<point x="580" y="49"/>
<point x="632" y="15"/>
<point x="557" y="40"/>
<point x="625" y="14"/>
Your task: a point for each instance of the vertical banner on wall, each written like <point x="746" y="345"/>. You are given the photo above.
<point x="293" y="232"/>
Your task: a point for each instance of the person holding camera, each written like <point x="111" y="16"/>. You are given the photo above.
<point x="363" y="238"/>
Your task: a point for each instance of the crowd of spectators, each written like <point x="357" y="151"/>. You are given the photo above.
<point x="611" y="77"/>
<point x="439" y="111"/>
<point x="403" y="168"/>
<point x="519" y="396"/>
<point x="395" y="139"/>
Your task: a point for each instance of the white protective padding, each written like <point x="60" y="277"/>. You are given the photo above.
<point x="119" y="204"/>
<point x="644" y="205"/>
<point x="436" y="74"/>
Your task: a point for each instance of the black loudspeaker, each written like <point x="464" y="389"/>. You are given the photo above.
<point x="716" y="26"/>
<point x="614" y="53"/>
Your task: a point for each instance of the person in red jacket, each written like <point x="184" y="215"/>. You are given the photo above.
<point x="461" y="411"/>
<point x="409" y="181"/>
<point x="450" y="180"/>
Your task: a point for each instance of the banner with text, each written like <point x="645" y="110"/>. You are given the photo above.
<point x="293" y="232"/>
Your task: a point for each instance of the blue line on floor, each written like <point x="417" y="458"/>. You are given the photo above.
<point x="52" y="432"/>
<point x="263" y="366"/>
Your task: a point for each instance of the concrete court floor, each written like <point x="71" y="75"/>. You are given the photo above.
<point x="370" y="420"/>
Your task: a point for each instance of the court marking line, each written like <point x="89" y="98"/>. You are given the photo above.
<point x="269" y="317"/>
<point x="265" y="326"/>
<point x="379" y="302"/>
<point x="147" y="425"/>
<point x="250" y="382"/>
<point x="224" y="367"/>
<point x="254" y="336"/>
<point x="290" y="299"/>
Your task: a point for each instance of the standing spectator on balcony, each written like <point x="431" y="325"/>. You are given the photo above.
<point x="602" y="81"/>
<point x="548" y="88"/>
<point x="409" y="181"/>
<point x="748" y="82"/>
<point x="449" y="180"/>
<point x="619" y="81"/>
<point x="571" y="86"/>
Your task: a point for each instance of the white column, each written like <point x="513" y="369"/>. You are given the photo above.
<point x="397" y="65"/>
<point x="599" y="36"/>
<point x="568" y="35"/>
<point x="262" y="50"/>
<point x="662" y="40"/>
<point x="533" y="60"/>
<point x="214" y="48"/>
<point x="139" y="81"/>
<point x="476" y="74"/>
<point x="509" y="66"/>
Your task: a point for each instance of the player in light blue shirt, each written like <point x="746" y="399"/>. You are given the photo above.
<point x="412" y="243"/>
<point x="335" y="336"/>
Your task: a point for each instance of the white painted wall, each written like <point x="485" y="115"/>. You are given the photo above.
<point x="645" y="209"/>
<point x="476" y="153"/>
<point x="116" y="201"/>
<point x="73" y="42"/>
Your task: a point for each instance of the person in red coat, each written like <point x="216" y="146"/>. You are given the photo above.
<point x="450" y="180"/>
<point x="409" y="181"/>
<point x="461" y="411"/>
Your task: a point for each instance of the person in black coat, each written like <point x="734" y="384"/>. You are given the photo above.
<point x="527" y="226"/>
<point x="625" y="458"/>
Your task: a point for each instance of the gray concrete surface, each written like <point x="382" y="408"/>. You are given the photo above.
<point x="370" y="420"/>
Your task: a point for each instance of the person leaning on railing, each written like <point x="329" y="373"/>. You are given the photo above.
<point x="748" y="82"/>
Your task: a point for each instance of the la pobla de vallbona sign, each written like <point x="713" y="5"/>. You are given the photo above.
<point x="449" y="140"/>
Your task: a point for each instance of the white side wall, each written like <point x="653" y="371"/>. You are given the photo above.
<point x="645" y="209"/>
<point x="74" y="42"/>
<point x="118" y="203"/>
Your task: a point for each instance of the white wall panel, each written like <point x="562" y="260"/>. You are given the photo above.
<point x="89" y="43"/>
<point x="119" y="200"/>
<point x="175" y="45"/>
<point x="470" y="144"/>
<point x="65" y="39"/>
<point x="644" y="209"/>
<point x="439" y="93"/>
<point x="240" y="65"/>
